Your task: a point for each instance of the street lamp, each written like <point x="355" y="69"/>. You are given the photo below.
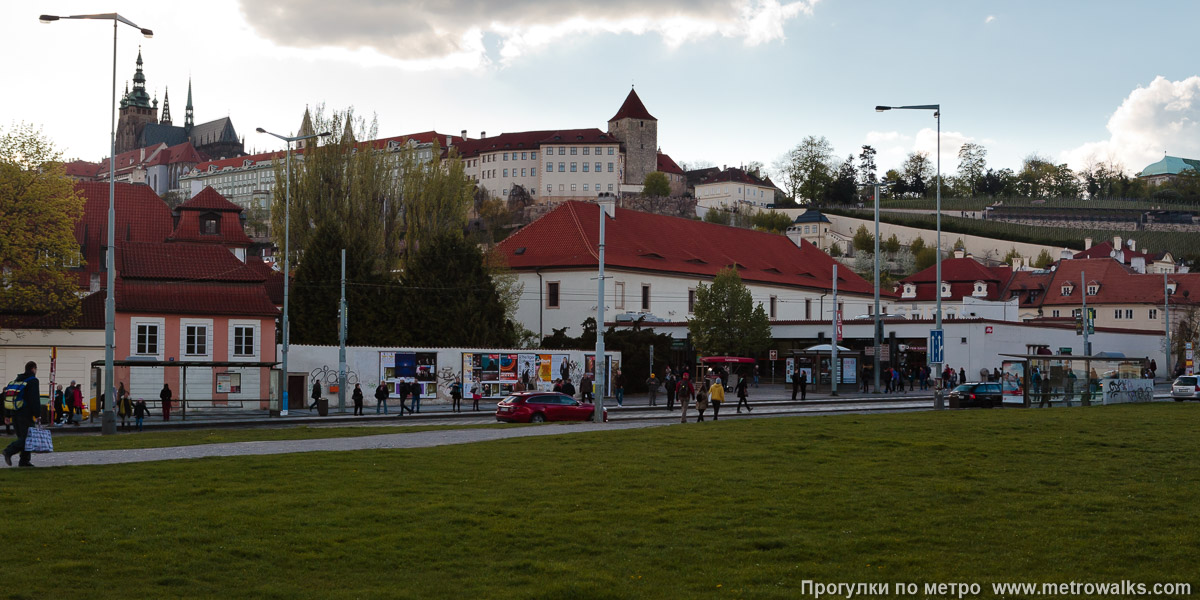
<point x="937" y="113"/>
<point x="287" y="228"/>
<point x="108" y="419"/>
<point x="877" y="187"/>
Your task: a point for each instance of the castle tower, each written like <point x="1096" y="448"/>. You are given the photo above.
<point x="135" y="112"/>
<point x="637" y="131"/>
<point x="166" y="113"/>
<point x="188" y="116"/>
<point x="306" y="128"/>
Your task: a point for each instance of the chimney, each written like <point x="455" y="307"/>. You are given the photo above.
<point x="960" y="253"/>
<point x="1138" y="263"/>
<point x="724" y="167"/>
<point x="449" y="141"/>
<point x="1133" y="245"/>
<point x="463" y="134"/>
<point x="1117" y="242"/>
<point x="1087" y="243"/>
<point x="482" y="134"/>
<point x="1065" y="254"/>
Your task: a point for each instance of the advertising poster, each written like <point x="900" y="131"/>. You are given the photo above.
<point x="527" y="368"/>
<point x="1012" y="376"/>
<point x="560" y="366"/>
<point x="589" y="366"/>
<point x="387" y="365"/>
<point x="545" y="367"/>
<point x="468" y="373"/>
<point x="789" y="368"/>
<point x="849" y="369"/>
<point x="406" y="366"/>
<point x="489" y="366"/>
<point x="508" y="368"/>
<point x="426" y="363"/>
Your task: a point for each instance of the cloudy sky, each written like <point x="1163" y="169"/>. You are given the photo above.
<point x="730" y="81"/>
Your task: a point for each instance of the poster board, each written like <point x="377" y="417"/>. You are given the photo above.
<point x="849" y="369"/>
<point x="229" y="383"/>
<point x="1012" y="378"/>
<point x="396" y="367"/>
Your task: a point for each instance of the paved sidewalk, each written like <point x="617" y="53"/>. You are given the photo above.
<point x="423" y="439"/>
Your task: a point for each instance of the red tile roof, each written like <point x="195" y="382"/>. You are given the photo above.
<point x="666" y="165"/>
<point x="532" y="140"/>
<point x="194" y="298"/>
<point x="141" y="216"/>
<point x="1118" y="284"/>
<point x="567" y="238"/>
<point x="182" y="261"/>
<point x="1105" y="250"/>
<point x="210" y="199"/>
<point x="274" y="278"/>
<point x="241" y="161"/>
<point x="82" y="169"/>
<point x="1028" y="286"/>
<point x="231" y="233"/>
<point x="424" y="137"/>
<point x="158" y="154"/>
<point x="632" y="108"/>
<point x="961" y="274"/>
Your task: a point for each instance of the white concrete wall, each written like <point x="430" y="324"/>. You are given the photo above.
<point x="980" y="247"/>
<point x="668" y="299"/>
<point x="77" y="349"/>
<point x="556" y="185"/>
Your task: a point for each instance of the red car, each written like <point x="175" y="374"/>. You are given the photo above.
<point x="539" y="407"/>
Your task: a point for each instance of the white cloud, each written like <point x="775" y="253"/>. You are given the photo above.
<point x="892" y="147"/>
<point x="989" y="19"/>
<point x="1161" y="117"/>
<point x="451" y="32"/>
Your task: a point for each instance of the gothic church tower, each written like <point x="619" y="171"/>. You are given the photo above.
<point x="637" y="130"/>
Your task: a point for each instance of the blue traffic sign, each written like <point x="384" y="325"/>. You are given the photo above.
<point x="937" y="346"/>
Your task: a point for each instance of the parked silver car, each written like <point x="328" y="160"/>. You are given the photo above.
<point x="1186" y="388"/>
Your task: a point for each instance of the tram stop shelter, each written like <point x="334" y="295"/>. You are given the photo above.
<point x="815" y="362"/>
<point x="208" y="405"/>
<point x="1029" y="380"/>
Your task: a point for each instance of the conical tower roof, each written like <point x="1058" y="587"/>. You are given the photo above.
<point x="632" y="108"/>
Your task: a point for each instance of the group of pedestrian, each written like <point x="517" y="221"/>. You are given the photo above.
<point x="68" y="404"/>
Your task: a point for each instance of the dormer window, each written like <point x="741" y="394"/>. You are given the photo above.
<point x="980" y="289"/>
<point x="945" y="290"/>
<point x="210" y="224"/>
<point x="1068" y="288"/>
<point x="1092" y="288"/>
<point x="910" y="291"/>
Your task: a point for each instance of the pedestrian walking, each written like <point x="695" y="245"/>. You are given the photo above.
<point x="962" y="375"/>
<point x="912" y="377"/>
<point x="684" y="392"/>
<point x="896" y="383"/>
<point x="619" y="385"/>
<point x="315" y="395"/>
<point x="23" y="402"/>
<point x="586" y="388"/>
<point x="76" y="404"/>
<point x="1045" y="385"/>
<point x="1069" y="392"/>
<point x="568" y="388"/>
<point x="740" y="390"/>
<point x="755" y="375"/>
<point x="402" y="389"/>
<point x="476" y="396"/>
<point x="124" y="407"/>
<point x="716" y="396"/>
<point x="60" y="405"/>
<point x="140" y="410"/>
<point x="702" y="401"/>
<point x="803" y="385"/>
<point x="652" y="384"/>
<point x="456" y="393"/>
<point x="416" y="394"/>
<point x="164" y="398"/>
<point x="796" y="383"/>
<point x="357" y="397"/>
<point x="381" y="398"/>
<point x="669" y="383"/>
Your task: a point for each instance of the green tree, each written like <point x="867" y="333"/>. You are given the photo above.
<point x="316" y="291"/>
<point x="891" y="245"/>
<point x="916" y="245"/>
<point x="717" y="215"/>
<point x="918" y="174"/>
<point x="726" y="321"/>
<point x="863" y="240"/>
<point x="960" y="244"/>
<point x="771" y="221"/>
<point x="842" y="188"/>
<point x="1043" y="260"/>
<point x="924" y="258"/>
<point x="656" y="185"/>
<point x="38" y="212"/>
<point x="835" y="250"/>
<point x="451" y="299"/>
<point x="866" y="165"/>
<point x="1011" y="257"/>
<point x="972" y="163"/>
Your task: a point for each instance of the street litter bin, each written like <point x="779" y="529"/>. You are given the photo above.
<point x="323" y="407"/>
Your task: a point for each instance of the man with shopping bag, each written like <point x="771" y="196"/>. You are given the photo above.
<point x="23" y="398"/>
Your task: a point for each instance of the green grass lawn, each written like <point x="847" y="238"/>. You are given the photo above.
<point x="739" y="508"/>
<point x="71" y="442"/>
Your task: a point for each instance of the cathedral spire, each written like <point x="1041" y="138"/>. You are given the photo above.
<point x="188" y="121"/>
<point x="166" y="113"/>
<point x="138" y="96"/>
<point x="306" y="128"/>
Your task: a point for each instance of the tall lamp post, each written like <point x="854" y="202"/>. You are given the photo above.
<point x="287" y="229"/>
<point x="877" y="187"/>
<point x="937" y="113"/>
<point x="108" y="419"/>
